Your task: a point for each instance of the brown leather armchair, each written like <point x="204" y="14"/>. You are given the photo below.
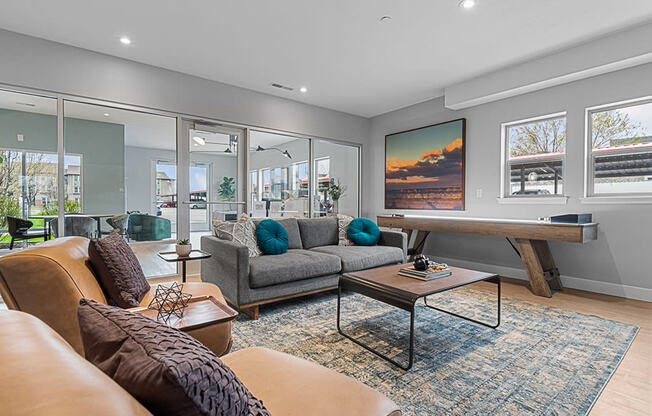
<point x="48" y="281"/>
<point x="42" y="375"/>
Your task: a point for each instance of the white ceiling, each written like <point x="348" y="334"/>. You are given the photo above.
<point x="338" y="49"/>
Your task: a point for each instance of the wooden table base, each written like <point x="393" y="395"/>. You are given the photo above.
<point x="537" y="260"/>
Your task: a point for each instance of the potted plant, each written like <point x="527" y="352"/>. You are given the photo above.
<point x="184" y="247"/>
<point x="335" y="190"/>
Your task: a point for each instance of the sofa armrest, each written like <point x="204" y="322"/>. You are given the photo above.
<point x="228" y="266"/>
<point x="394" y="239"/>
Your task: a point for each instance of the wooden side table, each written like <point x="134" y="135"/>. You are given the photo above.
<point x="202" y="311"/>
<point x="172" y="256"/>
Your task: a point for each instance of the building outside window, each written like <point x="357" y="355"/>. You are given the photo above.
<point x="534" y="153"/>
<point x="620" y="142"/>
<point x="299" y="182"/>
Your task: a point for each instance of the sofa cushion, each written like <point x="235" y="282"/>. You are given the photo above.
<point x="363" y="232"/>
<point x="356" y="258"/>
<point x="292" y="227"/>
<point x="292" y="386"/>
<point x="291" y="266"/>
<point x="272" y="237"/>
<point x="118" y="270"/>
<point x="165" y="369"/>
<point x="318" y="231"/>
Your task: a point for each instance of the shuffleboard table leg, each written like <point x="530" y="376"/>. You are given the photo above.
<point x="548" y="264"/>
<point x="533" y="267"/>
<point x="419" y="242"/>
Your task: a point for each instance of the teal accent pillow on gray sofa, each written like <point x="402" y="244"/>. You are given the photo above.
<point x="272" y="237"/>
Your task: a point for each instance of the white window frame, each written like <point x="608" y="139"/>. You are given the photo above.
<point x="505" y="196"/>
<point x="590" y="197"/>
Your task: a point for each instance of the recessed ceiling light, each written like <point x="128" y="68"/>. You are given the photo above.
<point x="199" y="140"/>
<point x="125" y="40"/>
<point x="386" y="19"/>
<point x="467" y="4"/>
<point x="106" y="114"/>
<point x="303" y="89"/>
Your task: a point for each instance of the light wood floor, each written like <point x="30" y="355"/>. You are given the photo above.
<point x="629" y="392"/>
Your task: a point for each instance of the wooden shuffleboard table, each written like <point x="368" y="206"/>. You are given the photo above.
<point x="531" y="237"/>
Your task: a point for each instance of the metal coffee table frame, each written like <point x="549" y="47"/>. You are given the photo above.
<point x="403" y="300"/>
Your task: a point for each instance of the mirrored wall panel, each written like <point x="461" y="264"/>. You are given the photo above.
<point x="337" y="174"/>
<point x="279" y="175"/>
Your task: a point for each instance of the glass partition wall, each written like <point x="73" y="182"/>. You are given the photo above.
<point x="154" y="177"/>
<point x="337" y="176"/>
<point x="279" y="175"/>
<point x="126" y="180"/>
<point x="29" y="166"/>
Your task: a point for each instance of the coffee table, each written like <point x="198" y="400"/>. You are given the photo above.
<point x="386" y="285"/>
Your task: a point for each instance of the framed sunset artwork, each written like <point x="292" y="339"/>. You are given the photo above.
<point x="424" y="167"/>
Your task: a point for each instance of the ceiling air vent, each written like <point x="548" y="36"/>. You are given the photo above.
<point x="281" y="86"/>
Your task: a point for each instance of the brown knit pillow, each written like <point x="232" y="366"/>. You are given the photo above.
<point x="118" y="270"/>
<point x="165" y="369"/>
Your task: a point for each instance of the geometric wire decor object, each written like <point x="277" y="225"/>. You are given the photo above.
<point x="168" y="301"/>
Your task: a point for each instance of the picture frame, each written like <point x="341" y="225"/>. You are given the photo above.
<point x="425" y="167"/>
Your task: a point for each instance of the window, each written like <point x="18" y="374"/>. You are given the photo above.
<point x="533" y="154"/>
<point x="299" y="180"/>
<point x="620" y="156"/>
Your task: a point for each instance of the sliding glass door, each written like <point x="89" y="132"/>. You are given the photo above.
<point x="211" y="184"/>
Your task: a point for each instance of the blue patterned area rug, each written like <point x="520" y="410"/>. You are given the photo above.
<point x="539" y="361"/>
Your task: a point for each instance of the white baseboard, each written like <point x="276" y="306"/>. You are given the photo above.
<point x="606" y="288"/>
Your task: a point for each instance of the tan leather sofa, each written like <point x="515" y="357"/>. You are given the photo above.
<point x="41" y="374"/>
<point x="48" y="281"/>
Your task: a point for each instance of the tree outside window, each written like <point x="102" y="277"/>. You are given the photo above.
<point x="536" y="151"/>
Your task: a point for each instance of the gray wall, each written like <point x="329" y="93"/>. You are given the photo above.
<point x="100" y="144"/>
<point x="619" y="262"/>
<point x="37" y="63"/>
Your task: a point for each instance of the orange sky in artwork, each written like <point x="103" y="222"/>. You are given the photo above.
<point x="393" y="164"/>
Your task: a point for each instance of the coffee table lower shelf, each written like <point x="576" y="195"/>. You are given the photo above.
<point x="406" y="300"/>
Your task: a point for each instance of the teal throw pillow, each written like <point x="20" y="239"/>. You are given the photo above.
<point x="272" y="237"/>
<point x="363" y="232"/>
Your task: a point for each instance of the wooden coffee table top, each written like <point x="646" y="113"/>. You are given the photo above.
<point x="201" y="311"/>
<point x="388" y="277"/>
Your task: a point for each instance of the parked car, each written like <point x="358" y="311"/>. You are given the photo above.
<point x="170" y="204"/>
<point x="532" y="192"/>
<point x="198" y="206"/>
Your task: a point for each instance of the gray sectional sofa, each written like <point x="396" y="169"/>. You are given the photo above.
<point x="313" y="263"/>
